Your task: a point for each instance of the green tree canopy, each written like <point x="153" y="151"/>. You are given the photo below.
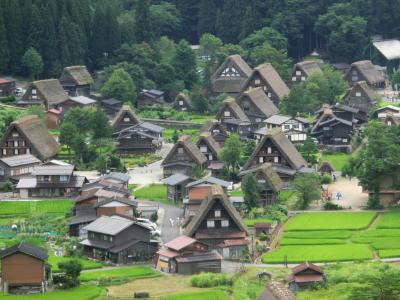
<point x="33" y="63"/>
<point x="185" y="64"/>
<point x="308" y="189"/>
<point x="120" y="86"/>
<point x="230" y="153"/>
<point x="251" y="189"/>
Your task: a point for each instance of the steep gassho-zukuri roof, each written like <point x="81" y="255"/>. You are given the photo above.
<point x="308" y="67"/>
<point x="287" y="149"/>
<point x="270" y="174"/>
<point x="191" y="149"/>
<point x="210" y="141"/>
<point x="35" y="131"/>
<point x="79" y="74"/>
<point x="368" y="70"/>
<point x="232" y="105"/>
<point x="261" y="101"/>
<point x="125" y="109"/>
<point x="51" y="90"/>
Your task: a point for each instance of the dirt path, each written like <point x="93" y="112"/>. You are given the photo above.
<point x="377" y="218"/>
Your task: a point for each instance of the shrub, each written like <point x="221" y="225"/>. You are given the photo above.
<point x="332" y="206"/>
<point x="7" y="186"/>
<point x="154" y="217"/>
<point x="71" y="269"/>
<point x="206" y="280"/>
<point x="326" y="179"/>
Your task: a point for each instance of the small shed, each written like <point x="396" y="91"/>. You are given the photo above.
<point x="305" y="275"/>
<point x="326" y="167"/>
<point x="262" y="228"/>
<point x="176" y="186"/>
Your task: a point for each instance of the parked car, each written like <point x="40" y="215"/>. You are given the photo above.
<point x="19" y="92"/>
<point x="148" y="223"/>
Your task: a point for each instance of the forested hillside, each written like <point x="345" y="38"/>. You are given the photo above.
<point x="91" y="32"/>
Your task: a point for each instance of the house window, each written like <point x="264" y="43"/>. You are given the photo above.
<point x="15" y="143"/>
<point x="344" y="140"/>
<point x="257" y="81"/>
<point x="15" y="134"/>
<point x="215" y="131"/>
<point x="286" y="127"/>
<point x="258" y="120"/>
<point x="217" y="213"/>
<point x="261" y="159"/>
<point x="264" y="88"/>
<point x="210" y="157"/>
<point x="28" y="151"/>
<point x="126" y="120"/>
<point x="303" y="78"/>
<point x="181" y="103"/>
<point x="4" y="152"/>
<point x="358" y="94"/>
<point x="225" y="223"/>
<point x="227" y="113"/>
<point x="210" y="224"/>
<point x="269" y="95"/>
<point x="293" y="78"/>
<point x="63" y="178"/>
<point x="34" y="92"/>
<point x="16" y="151"/>
<point x="389" y="123"/>
<point x="203" y="149"/>
<point x="34" y="97"/>
<point x="269" y="150"/>
<point x="298" y="73"/>
<point x="276" y="159"/>
<point x="180" y="150"/>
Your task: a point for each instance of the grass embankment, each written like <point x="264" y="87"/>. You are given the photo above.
<point x="127" y="272"/>
<point x="169" y="133"/>
<point x="204" y="295"/>
<point x="153" y="192"/>
<point x="27" y="208"/>
<point x="86" y="263"/>
<point x="337" y="160"/>
<point x="139" y="160"/>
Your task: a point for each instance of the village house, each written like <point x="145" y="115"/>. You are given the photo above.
<point x="150" y="98"/>
<point x="76" y="81"/>
<point x="302" y="70"/>
<point x="305" y="275"/>
<point x="388" y="115"/>
<point x="360" y="96"/>
<point x="7" y="87"/>
<point x="118" y="240"/>
<point x="182" y="103"/>
<point x="365" y="71"/>
<point x="125" y="118"/>
<point x="176" y="186"/>
<point x="391" y="120"/>
<point x="230" y="77"/>
<point x="269" y="181"/>
<point x="209" y="147"/>
<point x="326" y="168"/>
<point x="24" y="269"/>
<point x="234" y="120"/>
<point x="13" y="167"/>
<point x="48" y="93"/>
<point x="183" y="157"/>
<point x="266" y="77"/>
<point x="216" y="129"/>
<point x="334" y="129"/>
<point x="219" y="225"/>
<point x="256" y="105"/>
<point x="293" y="127"/>
<point x="186" y="256"/>
<point x="389" y="192"/>
<point x="111" y="106"/>
<point x="50" y="181"/>
<point x="275" y="148"/>
<point x="116" y="179"/>
<point x="341" y="67"/>
<point x="28" y="135"/>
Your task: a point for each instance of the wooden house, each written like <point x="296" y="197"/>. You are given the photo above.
<point x="144" y="137"/>
<point x="28" y="135"/>
<point x="216" y="129"/>
<point x="119" y="240"/>
<point x="275" y="148"/>
<point x="184" y="255"/>
<point x="386" y="111"/>
<point x="256" y="105"/>
<point x="332" y="130"/>
<point x="53" y="118"/>
<point x="326" y="168"/>
<point x="391" y="120"/>
<point x="263" y="228"/>
<point x="176" y="186"/>
<point x="230" y="77"/>
<point x="24" y="269"/>
<point x="219" y="225"/>
<point x="150" y="98"/>
<point x="360" y="96"/>
<point x="389" y="184"/>
<point x="50" y="181"/>
<point x="118" y="179"/>
<point x="303" y="69"/>
<point x="208" y="146"/>
<point x="295" y="128"/>
<point x="269" y="181"/>
<point x="233" y="118"/>
<point x="124" y="118"/>
<point x="13" y="167"/>
<point x="365" y="71"/>
<point x="305" y="275"/>
<point x="111" y="106"/>
<point x="48" y="93"/>
<point x="76" y="81"/>
<point x="7" y="87"/>
<point x="183" y="157"/>
<point x="266" y="77"/>
<point x="182" y="103"/>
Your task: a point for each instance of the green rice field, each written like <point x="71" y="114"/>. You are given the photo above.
<point x="30" y="207"/>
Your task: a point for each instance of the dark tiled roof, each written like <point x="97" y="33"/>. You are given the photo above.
<point x="199" y="257"/>
<point x="26" y="248"/>
<point x="176" y="179"/>
<point x="209" y="180"/>
<point x="117" y="199"/>
<point x="20" y="160"/>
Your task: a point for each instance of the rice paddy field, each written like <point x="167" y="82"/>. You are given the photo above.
<point x="338" y="236"/>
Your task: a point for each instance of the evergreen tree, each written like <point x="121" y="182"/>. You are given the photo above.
<point x="4" y="52"/>
<point x="184" y="63"/>
<point x="230" y="15"/>
<point x="33" y="63"/>
<point x="251" y="189"/>
<point x="207" y="17"/>
<point x="34" y="29"/>
<point x="143" y="23"/>
<point x="100" y="125"/>
<point x="119" y="86"/>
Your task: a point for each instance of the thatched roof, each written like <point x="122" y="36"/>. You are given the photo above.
<point x="308" y="67"/>
<point x="34" y="130"/>
<point x="368" y="71"/>
<point x="260" y="100"/>
<point x="210" y="141"/>
<point x="184" y="98"/>
<point x="231" y="105"/>
<point x="326" y="166"/>
<point x="231" y="84"/>
<point x="269" y="173"/>
<point x="217" y="194"/>
<point x="78" y="74"/>
<point x="210" y="125"/>
<point x="51" y="90"/>
<point x="362" y="87"/>
<point x="191" y="149"/>
<point x="128" y="110"/>
<point x="285" y="147"/>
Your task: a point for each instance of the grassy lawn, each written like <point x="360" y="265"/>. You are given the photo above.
<point x="130" y="272"/>
<point x="30" y="207"/>
<point x="205" y="295"/>
<point x="319" y="253"/>
<point x="194" y="133"/>
<point x="86" y="263"/>
<point x="331" y="221"/>
<point x="337" y="159"/>
<point x="84" y="292"/>
<point x="153" y="192"/>
<point x="389" y="220"/>
<point x="286" y="195"/>
<point x="236" y="193"/>
<point x="252" y="222"/>
<point x="139" y="160"/>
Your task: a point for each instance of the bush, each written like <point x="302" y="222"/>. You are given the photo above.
<point x="206" y="280"/>
<point x="154" y="217"/>
<point x="332" y="206"/>
<point x="7" y="186"/>
<point x="326" y="179"/>
<point x="71" y="270"/>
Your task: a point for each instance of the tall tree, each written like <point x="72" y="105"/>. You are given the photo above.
<point x="185" y="65"/>
<point x="33" y="63"/>
<point x="308" y="189"/>
<point x="230" y="153"/>
<point x="119" y="86"/>
<point x="143" y="23"/>
<point x="207" y="17"/>
<point x="4" y="53"/>
<point x="251" y="189"/>
<point x="228" y="17"/>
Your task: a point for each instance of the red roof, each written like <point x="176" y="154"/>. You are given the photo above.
<point x="305" y="266"/>
<point x="167" y="253"/>
<point x="4" y="80"/>
<point x="306" y="278"/>
<point x="199" y="192"/>
<point x="180" y="242"/>
<point x="263" y="225"/>
<point x="216" y="165"/>
<point x="54" y="111"/>
<point x="215" y="234"/>
<point x="230" y="243"/>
